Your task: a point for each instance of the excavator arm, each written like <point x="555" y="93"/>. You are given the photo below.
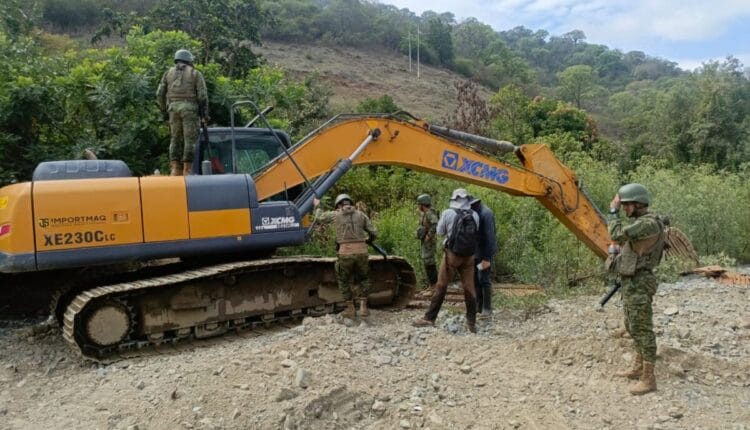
<point x="372" y="140"/>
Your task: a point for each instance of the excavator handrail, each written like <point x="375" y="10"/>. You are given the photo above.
<point x="413" y="145"/>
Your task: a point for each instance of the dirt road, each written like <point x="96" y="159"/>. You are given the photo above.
<point x="547" y="370"/>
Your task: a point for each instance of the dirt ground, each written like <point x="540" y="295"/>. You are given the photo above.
<point x="545" y="370"/>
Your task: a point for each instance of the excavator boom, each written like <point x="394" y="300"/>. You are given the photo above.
<point x="419" y="146"/>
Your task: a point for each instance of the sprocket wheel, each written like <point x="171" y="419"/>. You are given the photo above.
<point x="108" y="324"/>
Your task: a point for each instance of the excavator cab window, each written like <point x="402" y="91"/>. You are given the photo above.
<point x="254" y="148"/>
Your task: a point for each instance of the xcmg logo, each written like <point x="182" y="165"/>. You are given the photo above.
<point x="478" y="169"/>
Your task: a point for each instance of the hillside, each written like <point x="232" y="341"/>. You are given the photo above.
<point x="354" y="75"/>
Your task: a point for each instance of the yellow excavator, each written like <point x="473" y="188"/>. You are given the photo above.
<point x="139" y="261"/>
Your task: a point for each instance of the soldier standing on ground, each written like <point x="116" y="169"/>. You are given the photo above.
<point x="641" y="248"/>
<point x="183" y="98"/>
<point x="427" y="235"/>
<point x="484" y="257"/>
<point x="353" y="230"/>
<point x="454" y="263"/>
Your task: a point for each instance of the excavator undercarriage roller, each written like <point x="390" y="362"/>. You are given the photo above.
<point x="213" y="300"/>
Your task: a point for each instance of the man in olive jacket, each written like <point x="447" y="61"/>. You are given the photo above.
<point x="641" y="247"/>
<point x="182" y="95"/>
<point x="353" y="230"/>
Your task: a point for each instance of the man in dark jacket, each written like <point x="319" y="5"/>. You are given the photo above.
<point x="484" y="256"/>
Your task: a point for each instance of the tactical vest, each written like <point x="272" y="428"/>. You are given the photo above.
<point x="181" y="84"/>
<point x="426" y="217"/>
<point x="350" y="225"/>
<point x="645" y="253"/>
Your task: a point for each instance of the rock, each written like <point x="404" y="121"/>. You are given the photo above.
<point x="288" y="363"/>
<point x="218" y="371"/>
<point x="435" y="419"/>
<point x="683" y="332"/>
<point x="382" y="360"/>
<point x="140" y="385"/>
<point x="465" y="369"/>
<point x="744" y="324"/>
<point x="133" y="427"/>
<point x="343" y="354"/>
<point x="404" y="424"/>
<point x="236" y="414"/>
<point x="676" y="370"/>
<point x="675" y="413"/>
<point x="513" y="423"/>
<point x="378" y="407"/>
<point x="663" y="418"/>
<point x="672" y="310"/>
<point x="285" y="394"/>
<point x="302" y="378"/>
<point x="567" y="361"/>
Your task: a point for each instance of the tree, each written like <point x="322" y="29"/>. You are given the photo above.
<point x="438" y="36"/>
<point x="384" y="104"/>
<point x="471" y="114"/>
<point x="509" y="112"/>
<point x="225" y="28"/>
<point x="18" y="17"/>
<point x="577" y="82"/>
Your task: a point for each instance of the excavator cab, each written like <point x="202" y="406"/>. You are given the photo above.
<point x="251" y="149"/>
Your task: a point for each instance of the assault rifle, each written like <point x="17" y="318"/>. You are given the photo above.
<point x="615" y="287"/>
<point x="379" y="250"/>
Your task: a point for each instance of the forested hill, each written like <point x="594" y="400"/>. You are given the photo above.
<point x="646" y="105"/>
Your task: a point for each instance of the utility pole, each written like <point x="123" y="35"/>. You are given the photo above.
<point x="417" y="50"/>
<point x="409" y="50"/>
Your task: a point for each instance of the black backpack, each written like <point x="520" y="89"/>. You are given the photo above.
<point x="464" y="237"/>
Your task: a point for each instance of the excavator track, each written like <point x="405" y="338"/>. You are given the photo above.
<point x="210" y="301"/>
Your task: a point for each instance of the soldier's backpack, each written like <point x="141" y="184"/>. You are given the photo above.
<point x="464" y="237"/>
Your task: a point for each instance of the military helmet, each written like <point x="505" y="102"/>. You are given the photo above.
<point x="424" y="199"/>
<point x="341" y="197"/>
<point x="634" y="193"/>
<point x="183" y="55"/>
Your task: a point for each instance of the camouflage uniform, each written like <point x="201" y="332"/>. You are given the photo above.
<point x="642" y="245"/>
<point x="181" y="90"/>
<point x="352" y="230"/>
<point x="426" y="233"/>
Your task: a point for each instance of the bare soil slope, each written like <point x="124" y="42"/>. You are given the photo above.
<point x="356" y="74"/>
<point x="545" y="370"/>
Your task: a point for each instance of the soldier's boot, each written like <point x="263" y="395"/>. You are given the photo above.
<point x="647" y="383"/>
<point x="174" y="168"/>
<point x="363" y="311"/>
<point x="187" y="168"/>
<point x="635" y="371"/>
<point x="350" y="311"/>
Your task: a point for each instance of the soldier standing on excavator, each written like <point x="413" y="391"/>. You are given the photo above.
<point x="427" y="235"/>
<point x="183" y="98"/>
<point x="353" y="231"/>
<point x="641" y="247"/>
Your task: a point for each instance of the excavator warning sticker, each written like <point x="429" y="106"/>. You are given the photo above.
<point x="478" y="169"/>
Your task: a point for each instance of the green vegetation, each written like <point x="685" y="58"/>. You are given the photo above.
<point x="613" y="117"/>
